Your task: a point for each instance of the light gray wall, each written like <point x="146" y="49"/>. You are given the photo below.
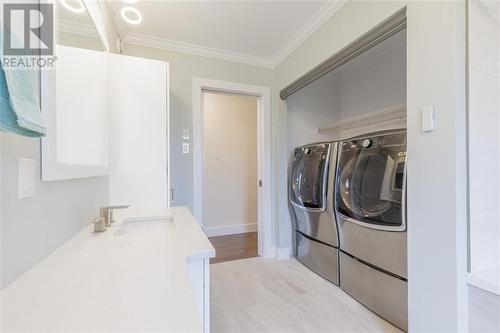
<point x="183" y="68"/>
<point x="32" y="228"/>
<point x="84" y="42"/>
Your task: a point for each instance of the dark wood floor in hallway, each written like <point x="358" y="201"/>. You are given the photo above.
<point x="234" y="247"/>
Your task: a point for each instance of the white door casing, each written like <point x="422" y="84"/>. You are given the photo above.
<point x="266" y="243"/>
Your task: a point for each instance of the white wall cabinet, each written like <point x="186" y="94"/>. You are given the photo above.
<point x="107" y="114"/>
<point x="138" y="140"/>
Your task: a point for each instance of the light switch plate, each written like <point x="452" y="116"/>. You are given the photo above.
<point x="185" y="134"/>
<point x="185" y="148"/>
<point x="26" y="179"/>
<point x="428" y="118"/>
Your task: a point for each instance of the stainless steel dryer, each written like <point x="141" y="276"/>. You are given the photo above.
<point x="311" y="189"/>
<point x="371" y="217"/>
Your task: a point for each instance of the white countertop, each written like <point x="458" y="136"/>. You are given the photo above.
<point x="132" y="277"/>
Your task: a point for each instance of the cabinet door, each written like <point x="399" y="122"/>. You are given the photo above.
<point x="199" y="276"/>
<point x="74" y="104"/>
<point x="138" y="140"/>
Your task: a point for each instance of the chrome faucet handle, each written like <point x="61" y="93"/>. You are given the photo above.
<point x="107" y="213"/>
<point x="99" y="224"/>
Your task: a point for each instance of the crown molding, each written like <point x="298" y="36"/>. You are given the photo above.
<point x="75" y="28"/>
<point x="197" y="50"/>
<point x="308" y="29"/>
<point x="305" y="32"/>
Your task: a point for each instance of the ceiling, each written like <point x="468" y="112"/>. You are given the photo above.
<point x="255" y="32"/>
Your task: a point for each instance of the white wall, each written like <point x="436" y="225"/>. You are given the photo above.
<point x="484" y="137"/>
<point x="436" y="161"/>
<point x="229" y="163"/>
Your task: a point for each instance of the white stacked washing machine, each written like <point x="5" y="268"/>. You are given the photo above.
<point x="364" y="195"/>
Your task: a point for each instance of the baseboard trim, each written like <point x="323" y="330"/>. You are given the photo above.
<point x="284" y="253"/>
<point x="270" y="253"/>
<point x="230" y="229"/>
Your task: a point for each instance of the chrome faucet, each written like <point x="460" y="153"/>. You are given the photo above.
<point x="99" y="225"/>
<point x="107" y="213"/>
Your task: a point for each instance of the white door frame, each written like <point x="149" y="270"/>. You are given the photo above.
<point x="266" y="243"/>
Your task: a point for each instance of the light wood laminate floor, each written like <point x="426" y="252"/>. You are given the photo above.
<point x="234" y="247"/>
<point x="259" y="295"/>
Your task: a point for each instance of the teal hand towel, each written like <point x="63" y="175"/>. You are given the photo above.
<point x="19" y="100"/>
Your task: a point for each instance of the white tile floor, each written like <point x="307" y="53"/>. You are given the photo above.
<point x="257" y="295"/>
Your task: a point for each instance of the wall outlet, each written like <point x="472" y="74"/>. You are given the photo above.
<point x="185" y="148"/>
<point x="26" y="178"/>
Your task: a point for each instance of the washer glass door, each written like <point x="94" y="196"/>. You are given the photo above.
<point x="371" y="181"/>
<point x="308" y="177"/>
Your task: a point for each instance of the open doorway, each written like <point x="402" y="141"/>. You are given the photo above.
<point x="230" y="175"/>
<point x="226" y="185"/>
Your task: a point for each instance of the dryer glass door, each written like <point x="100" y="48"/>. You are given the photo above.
<point x="371" y="182"/>
<point x="308" y="178"/>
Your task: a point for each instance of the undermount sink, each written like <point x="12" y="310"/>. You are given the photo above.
<point x="129" y="225"/>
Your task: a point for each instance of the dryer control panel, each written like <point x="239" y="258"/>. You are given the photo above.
<point x="376" y="142"/>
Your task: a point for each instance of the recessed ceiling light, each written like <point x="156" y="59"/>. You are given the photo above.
<point x="75" y="6"/>
<point x="131" y="15"/>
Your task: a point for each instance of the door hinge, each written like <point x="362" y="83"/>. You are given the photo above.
<point x="260" y="183"/>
